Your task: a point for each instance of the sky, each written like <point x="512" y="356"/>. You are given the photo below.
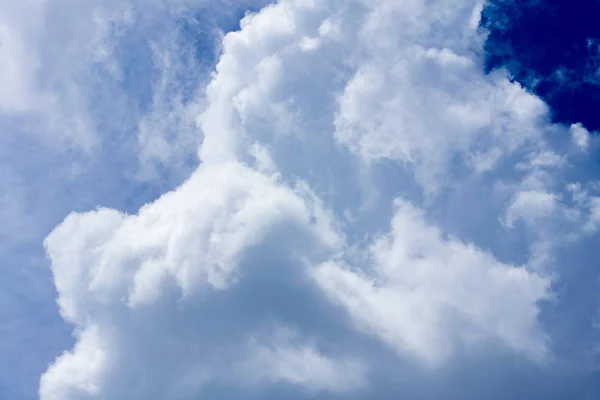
<point x="300" y="199"/>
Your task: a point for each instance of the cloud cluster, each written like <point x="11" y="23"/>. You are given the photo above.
<point x="362" y="186"/>
<point x="189" y="246"/>
<point x="98" y="107"/>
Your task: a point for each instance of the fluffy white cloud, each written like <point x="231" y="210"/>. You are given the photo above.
<point x="109" y="267"/>
<point x="97" y="96"/>
<point x="312" y="104"/>
<point x="383" y="105"/>
<point x="418" y="96"/>
<point x="425" y="292"/>
<point x="531" y="205"/>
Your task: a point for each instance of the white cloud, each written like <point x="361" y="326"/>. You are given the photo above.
<point x="580" y="136"/>
<point x="531" y="205"/>
<point x="422" y="101"/>
<point x="18" y="66"/>
<point x="78" y="369"/>
<point x="427" y="293"/>
<point x="284" y="359"/>
<point x="112" y="72"/>
<point x="107" y="264"/>
<point x="307" y="99"/>
<point x="44" y="64"/>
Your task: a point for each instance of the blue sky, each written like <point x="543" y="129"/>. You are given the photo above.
<point x="551" y="48"/>
<point x="299" y="199"/>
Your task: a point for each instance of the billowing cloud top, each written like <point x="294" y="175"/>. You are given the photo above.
<point x="372" y="216"/>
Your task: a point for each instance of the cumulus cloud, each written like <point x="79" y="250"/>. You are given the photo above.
<point x="427" y="291"/>
<point x="313" y="105"/>
<point x="382" y="108"/>
<point x="98" y="107"/>
<point x="192" y="241"/>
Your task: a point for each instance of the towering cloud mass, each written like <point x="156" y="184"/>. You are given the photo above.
<point x="369" y="206"/>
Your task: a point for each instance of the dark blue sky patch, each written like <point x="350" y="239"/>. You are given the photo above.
<point x="551" y="47"/>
